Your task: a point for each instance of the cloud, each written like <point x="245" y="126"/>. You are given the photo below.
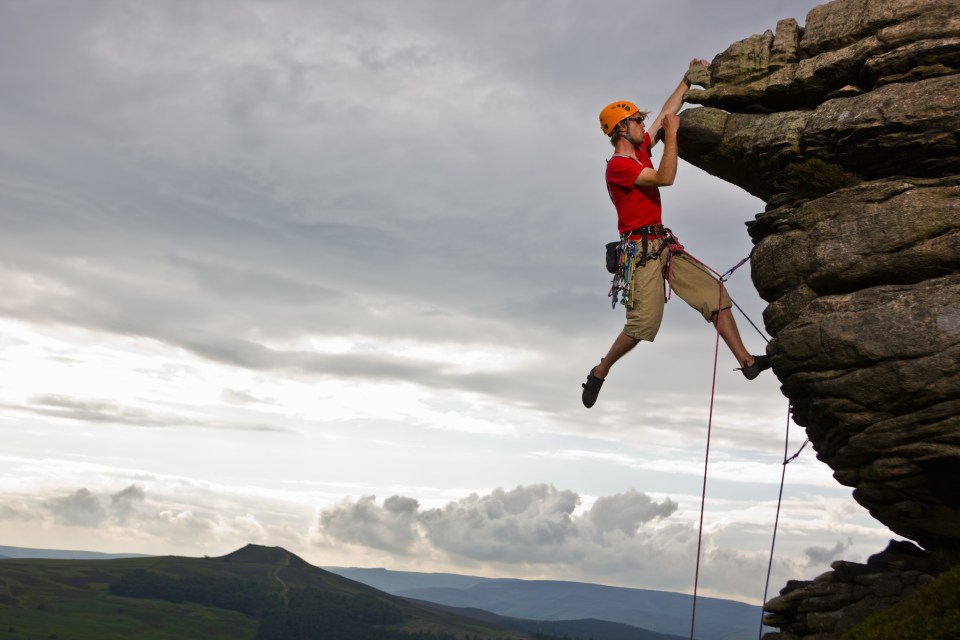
<point x="537" y="528"/>
<point x="389" y="527"/>
<point x="528" y="523"/>
<point x="220" y="174"/>
<point x="227" y="188"/>
<point x="529" y="531"/>
<point x="11" y="509"/>
<point x="819" y="556"/>
<point x="626" y="512"/>
<point x="79" y="509"/>
<point x="182" y="516"/>
<point x="108" y="411"/>
<point x="123" y="504"/>
<point x="83" y="508"/>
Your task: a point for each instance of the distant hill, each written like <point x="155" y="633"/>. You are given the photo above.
<point x="590" y="629"/>
<point x="660" y="611"/>
<point x="60" y="554"/>
<point x="176" y="591"/>
<point x="255" y="593"/>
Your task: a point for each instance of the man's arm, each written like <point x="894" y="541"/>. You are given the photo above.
<point x="666" y="172"/>
<point x="674" y="102"/>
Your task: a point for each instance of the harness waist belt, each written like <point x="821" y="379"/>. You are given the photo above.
<point x="651" y="231"/>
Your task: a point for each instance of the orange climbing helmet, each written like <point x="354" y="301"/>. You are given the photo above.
<point x="614" y="113"/>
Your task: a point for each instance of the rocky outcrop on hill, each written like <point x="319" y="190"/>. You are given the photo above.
<point x="848" y="128"/>
<point x="835" y="601"/>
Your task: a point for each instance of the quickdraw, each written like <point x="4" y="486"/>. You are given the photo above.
<point x="630" y="256"/>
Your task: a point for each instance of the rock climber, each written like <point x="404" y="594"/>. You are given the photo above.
<point x="633" y="184"/>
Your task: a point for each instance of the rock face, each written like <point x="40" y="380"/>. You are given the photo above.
<point x="830" y="604"/>
<point x="848" y="128"/>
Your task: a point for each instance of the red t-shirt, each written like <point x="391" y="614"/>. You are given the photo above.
<point x="636" y="206"/>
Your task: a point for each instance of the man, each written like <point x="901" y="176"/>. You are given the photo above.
<point x="654" y="254"/>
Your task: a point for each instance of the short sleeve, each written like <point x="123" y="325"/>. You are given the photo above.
<point x="622" y="171"/>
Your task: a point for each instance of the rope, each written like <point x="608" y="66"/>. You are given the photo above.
<point x="776" y="520"/>
<point x="722" y="278"/>
<point x="706" y="462"/>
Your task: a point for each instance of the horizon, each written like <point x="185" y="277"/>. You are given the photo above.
<point x="333" y="568"/>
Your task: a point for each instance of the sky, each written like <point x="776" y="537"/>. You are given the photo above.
<point x="328" y="276"/>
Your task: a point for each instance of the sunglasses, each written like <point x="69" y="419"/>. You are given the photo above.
<point x="638" y="120"/>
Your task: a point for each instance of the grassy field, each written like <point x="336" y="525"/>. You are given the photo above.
<point x="52" y="599"/>
<point x="106" y="617"/>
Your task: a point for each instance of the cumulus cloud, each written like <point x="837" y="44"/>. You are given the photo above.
<point x="626" y="512"/>
<point x="194" y="520"/>
<point x="527" y="531"/>
<point x="539" y="528"/>
<point x="391" y="526"/>
<point x="123" y="504"/>
<point x="527" y="524"/>
<point x="524" y="524"/>
<point x="819" y="556"/>
<point x="81" y="508"/>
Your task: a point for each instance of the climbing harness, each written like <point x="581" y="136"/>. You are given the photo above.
<point x="629" y="256"/>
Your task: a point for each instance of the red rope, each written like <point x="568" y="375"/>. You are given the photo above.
<point x="706" y="462"/>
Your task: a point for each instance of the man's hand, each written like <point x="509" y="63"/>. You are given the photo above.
<point x="670" y="123"/>
<point x="666" y="172"/>
<point x="672" y="106"/>
<point x="697" y="73"/>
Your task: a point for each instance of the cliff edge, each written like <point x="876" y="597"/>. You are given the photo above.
<point x="848" y="128"/>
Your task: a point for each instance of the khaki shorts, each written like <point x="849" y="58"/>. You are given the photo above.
<point x="697" y="286"/>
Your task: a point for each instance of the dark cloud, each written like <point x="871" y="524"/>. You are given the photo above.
<point x="83" y="508"/>
<point x="123" y="504"/>
<point x="79" y="509"/>
<point x="391" y="527"/>
<point x="823" y="556"/>
<point x="374" y="172"/>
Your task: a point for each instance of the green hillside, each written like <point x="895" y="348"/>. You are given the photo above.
<point x="256" y="593"/>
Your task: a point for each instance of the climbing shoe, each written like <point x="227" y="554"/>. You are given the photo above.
<point x="591" y="389"/>
<point x="760" y="363"/>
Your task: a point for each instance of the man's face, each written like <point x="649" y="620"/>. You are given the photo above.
<point x="635" y="127"/>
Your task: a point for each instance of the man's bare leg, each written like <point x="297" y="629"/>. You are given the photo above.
<point x="750" y="366"/>
<point x="620" y="347"/>
<point x="727" y="326"/>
